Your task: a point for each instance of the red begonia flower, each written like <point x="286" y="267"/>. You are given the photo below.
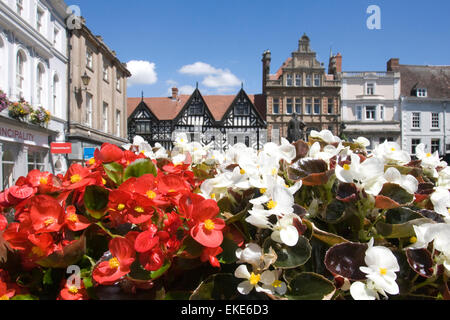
<point x="210" y="254"/>
<point x="147" y="240"/>
<point x="108" y="153"/>
<point x="152" y="260"/>
<point x="71" y="292"/>
<point x="74" y="221"/>
<point x="5" y="293"/>
<point x="46" y="214"/>
<point x="108" y="272"/>
<point x="207" y="229"/>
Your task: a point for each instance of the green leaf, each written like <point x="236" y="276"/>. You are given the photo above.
<point x="114" y="171"/>
<point x="96" y="201"/>
<point x="310" y="286"/>
<point x="177" y="295"/>
<point x="229" y="251"/>
<point x="47" y="279"/>
<point x="158" y="273"/>
<point x="403" y="230"/>
<point x="139" y="168"/>
<point x="289" y="257"/>
<point x="221" y="286"/>
<point x="25" y="297"/>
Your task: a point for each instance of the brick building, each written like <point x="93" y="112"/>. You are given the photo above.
<point x="301" y="85"/>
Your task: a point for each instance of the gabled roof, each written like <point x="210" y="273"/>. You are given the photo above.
<point x="436" y="79"/>
<point x="277" y="75"/>
<point x="168" y="108"/>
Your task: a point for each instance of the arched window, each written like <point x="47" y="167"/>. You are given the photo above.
<point x="8" y="169"/>
<point x="55" y="89"/>
<point x="235" y="140"/>
<point x="20" y="73"/>
<point x="247" y="141"/>
<point x="2" y="65"/>
<point x="40" y="72"/>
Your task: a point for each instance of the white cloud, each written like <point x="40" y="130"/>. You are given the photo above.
<point x="142" y="72"/>
<point x="221" y="79"/>
<point x="181" y="90"/>
<point x="224" y="79"/>
<point x="198" y="68"/>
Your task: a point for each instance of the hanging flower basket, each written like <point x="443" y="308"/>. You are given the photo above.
<point x="4" y="102"/>
<point x="40" y="116"/>
<point x="20" y="110"/>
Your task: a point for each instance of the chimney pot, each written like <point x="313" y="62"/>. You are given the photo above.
<point x="393" y="64"/>
<point x="174" y="93"/>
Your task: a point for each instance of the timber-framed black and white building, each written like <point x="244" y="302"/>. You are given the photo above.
<point x="220" y="120"/>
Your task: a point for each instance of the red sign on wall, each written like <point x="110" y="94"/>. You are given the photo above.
<point x="61" y="148"/>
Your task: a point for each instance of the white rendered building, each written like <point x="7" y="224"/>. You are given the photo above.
<point x="33" y="66"/>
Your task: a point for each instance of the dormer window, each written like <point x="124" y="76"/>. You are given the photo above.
<point x="241" y="109"/>
<point x="196" y="108"/>
<point x="370" y="89"/>
<point x="422" y="93"/>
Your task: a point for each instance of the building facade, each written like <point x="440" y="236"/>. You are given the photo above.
<point x="425" y="106"/>
<point x="97" y="94"/>
<point x="33" y="67"/>
<point x="371" y="106"/>
<point x="303" y="87"/>
<point x="220" y="120"/>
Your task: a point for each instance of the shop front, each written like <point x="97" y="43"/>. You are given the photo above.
<point x="23" y="147"/>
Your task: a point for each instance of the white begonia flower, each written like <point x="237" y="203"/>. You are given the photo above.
<point x="381" y="268"/>
<point x="429" y="161"/>
<point x="363" y="291"/>
<point x="408" y="182"/>
<point x="428" y="232"/>
<point x="329" y="151"/>
<point x="251" y="254"/>
<point x="239" y="179"/>
<point x="280" y="202"/>
<point x="444" y="178"/>
<point x="284" y="230"/>
<point x="161" y="152"/>
<point x="181" y="140"/>
<point x="276" y="286"/>
<point x="391" y="153"/>
<point x="285" y="151"/>
<point x="363" y="142"/>
<point x="365" y="175"/>
<point x="253" y="280"/>
<point x="326" y="136"/>
<point x="178" y="159"/>
<point x="441" y="201"/>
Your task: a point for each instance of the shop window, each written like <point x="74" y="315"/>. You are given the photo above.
<point x="8" y="169"/>
<point x="36" y="160"/>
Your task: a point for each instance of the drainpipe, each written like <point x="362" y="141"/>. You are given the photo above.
<point x="445" y="129"/>
<point x="69" y="86"/>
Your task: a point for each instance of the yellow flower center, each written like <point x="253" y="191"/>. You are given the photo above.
<point x="73" y="289"/>
<point x="346" y="167"/>
<point x="37" y="251"/>
<point x="209" y="225"/>
<point x="276" y="284"/>
<point x="172" y="190"/>
<point x="43" y="180"/>
<point x="91" y="161"/>
<point x="274" y="171"/>
<point x="114" y="263"/>
<point x="383" y="271"/>
<point x="254" y="279"/>
<point x="4" y="298"/>
<point x="413" y="239"/>
<point x="428" y="155"/>
<point x="213" y="195"/>
<point x="242" y="171"/>
<point x="75" y="178"/>
<point x="120" y="207"/>
<point x="73" y="218"/>
<point x="272" y="204"/>
<point x="103" y="181"/>
<point x="151" y="194"/>
<point x="182" y="140"/>
<point x="393" y="149"/>
<point x="49" y="221"/>
<point x="139" y="209"/>
<point x="263" y="190"/>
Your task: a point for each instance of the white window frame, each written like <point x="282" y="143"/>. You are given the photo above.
<point x="276" y="101"/>
<point x="317" y="80"/>
<point x="370" y="86"/>
<point x="374" y="112"/>
<point x="299" y="104"/>
<point x="55" y="85"/>
<point x="105" y="117"/>
<point x="20" y="72"/>
<point x="118" y="123"/>
<point x="105" y="71"/>
<point x="309" y="106"/>
<point x="382" y="113"/>
<point x="118" y="83"/>
<point x="422" y="92"/>
<point x="289" y="104"/>
<point x="40" y="80"/>
<point x="415" y="120"/>
<point x="435" y="120"/>
<point x="308" y="80"/>
<point x="20" y="7"/>
<point x="414" y="145"/>
<point x="298" y="80"/>
<point x="289" y="81"/>
<point x="314" y="106"/>
<point x="89" y="109"/>
<point x="89" y="58"/>
<point x="433" y="145"/>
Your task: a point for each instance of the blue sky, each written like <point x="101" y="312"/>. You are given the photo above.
<point x="219" y="43"/>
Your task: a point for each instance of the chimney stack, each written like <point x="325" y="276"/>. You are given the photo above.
<point x="266" y="60"/>
<point x="335" y="64"/>
<point x="393" y="64"/>
<point x="174" y="93"/>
